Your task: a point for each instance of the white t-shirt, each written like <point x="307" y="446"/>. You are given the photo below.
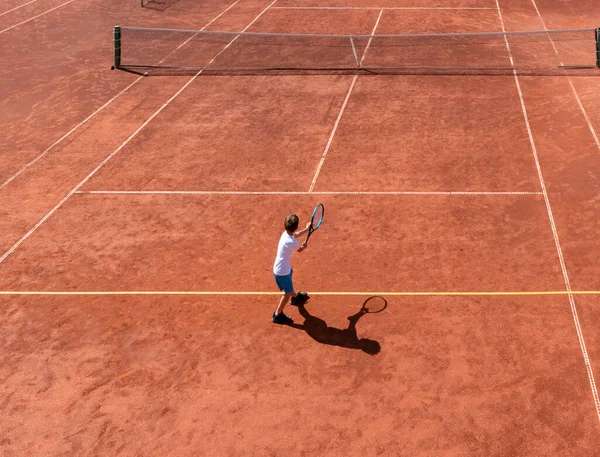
<point x="283" y="262"/>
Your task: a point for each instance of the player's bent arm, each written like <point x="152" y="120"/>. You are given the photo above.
<point x="302" y="232"/>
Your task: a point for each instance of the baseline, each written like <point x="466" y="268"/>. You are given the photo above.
<point x="171" y="372"/>
<point x="381" y="8"/>
<point x="329" y="293"/>
<point x="235" y="192"/>
<point x="379" y="4"/>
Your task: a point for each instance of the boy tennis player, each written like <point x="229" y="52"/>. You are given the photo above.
<point x="282" y="269"/>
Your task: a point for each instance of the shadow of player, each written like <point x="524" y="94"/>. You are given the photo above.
<point x="319" y="331"/>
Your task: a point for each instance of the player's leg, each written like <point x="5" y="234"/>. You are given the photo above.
<point x="285" y="298"/>
<point x="299" y="298"/>
<point x="285" y="284"/>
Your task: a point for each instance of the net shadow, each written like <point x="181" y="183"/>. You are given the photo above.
<point x="175" y="71"/>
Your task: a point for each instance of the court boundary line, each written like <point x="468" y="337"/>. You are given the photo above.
<point x="341" y="113"/>
<point x="64" y="137"/>
<point x="582" y="344"/>
<point x="123" y="144"/>
<point x="561" y="259"/>
<point x="35" y="17"/>
<point x="322" y="293"/>
<point x="443" y="8"/>
<point x="235" y="192"/>
<point x="18" y="7"/>
<point x="70" y="132"/>
<point x="575" y="93"/>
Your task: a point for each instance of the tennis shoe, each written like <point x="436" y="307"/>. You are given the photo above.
<point x="300" y="299"/>
<point x="282" y="319"/>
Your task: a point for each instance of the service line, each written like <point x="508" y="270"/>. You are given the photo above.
<point x="235" y="192"/>
<point x="445" y="8"/>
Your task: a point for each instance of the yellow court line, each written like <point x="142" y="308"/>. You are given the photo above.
<point x="402" y="294"/>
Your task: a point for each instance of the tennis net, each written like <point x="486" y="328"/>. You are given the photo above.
<point x="144" y="49"/>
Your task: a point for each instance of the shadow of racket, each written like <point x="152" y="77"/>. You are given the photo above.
<point x="373" y="305"/>
<point x="319" y="331"/>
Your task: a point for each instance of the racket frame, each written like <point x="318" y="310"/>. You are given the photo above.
<point x="365" y="306"/>
<point x="314" y="227"/>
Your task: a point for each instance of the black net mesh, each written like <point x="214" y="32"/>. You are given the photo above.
<point x="147" y="49"/>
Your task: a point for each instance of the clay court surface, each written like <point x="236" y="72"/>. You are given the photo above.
<point x="139" y="220"/>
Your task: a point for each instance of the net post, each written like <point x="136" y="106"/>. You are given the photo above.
<point x="354" y="52"/>
<point x="117" y="46"/>
<point x="598" y="47"/>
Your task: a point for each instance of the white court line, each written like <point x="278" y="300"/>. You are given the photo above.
<point x="17" y="7"/>
<point x="62" y="138"/>
<point x="339" y="118"/>
<point x="380" y="8"/>
<point x="554" y="231"/>
<point x="329" y="293"/>
<point x="195" y="34"/>
<point x="35" y="17"/>
<point x="571" y="299"/>
<point x="66" y="135"/>
<point x="371" y="38"/>
<point x="235" y="192"/>
<point x="335" y="126"/>
<point x="133" y="135"/>
<point x="583" y="111"/>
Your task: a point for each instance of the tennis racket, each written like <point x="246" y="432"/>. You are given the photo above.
<point x="316" y="220"/>
<point x="374" y="304"/>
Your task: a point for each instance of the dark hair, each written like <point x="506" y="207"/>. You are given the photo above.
<point x="291" y="223"/>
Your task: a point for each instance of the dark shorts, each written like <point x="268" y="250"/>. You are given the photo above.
<point x="285" y="282"/>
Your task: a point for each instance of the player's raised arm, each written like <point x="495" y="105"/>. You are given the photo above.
<point x="301" y="233"/>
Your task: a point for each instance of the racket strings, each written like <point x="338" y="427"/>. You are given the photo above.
<point x="317" y="216"/>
